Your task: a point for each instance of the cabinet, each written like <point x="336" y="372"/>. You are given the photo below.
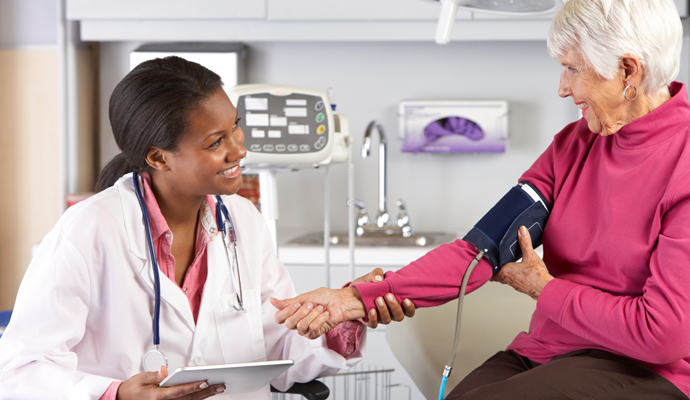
<point x="355" y="10"/>
<point x="165" y="9"/>
<point x="293" y="21"/>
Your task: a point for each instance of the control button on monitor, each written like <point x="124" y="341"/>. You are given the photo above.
<point x="255" y="147"/>
<point x="280" y="147"/>
<point x="304" y="147"/>
<point x="319" y="145"/>
<point x="319" y="106"/>
<point x="321" y="129"/>
<point x="320" y="117"/>
<point x="292" y="147"/>
<point x="268" y="147"/>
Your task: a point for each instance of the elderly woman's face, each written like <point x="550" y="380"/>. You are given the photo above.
<point x="601" y="101"/>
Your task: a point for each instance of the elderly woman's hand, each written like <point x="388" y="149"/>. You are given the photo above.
<point x="529" y="276"/>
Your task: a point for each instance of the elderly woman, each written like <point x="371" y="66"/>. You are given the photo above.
<point x="613" y="290"/>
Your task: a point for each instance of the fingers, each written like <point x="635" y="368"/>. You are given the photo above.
<point x="373" y="276"/>
<point x="383" y="311"/>
<point x="280" y="304"/>
<point x="284" y="314"/>
<point x="190" y="391"/>
<point x="373" y="319"/>
<point x="525" y="243"/>
<point x="308" y="320"/>
<point x="408" y="308"/>
<point x="318" y="326"/>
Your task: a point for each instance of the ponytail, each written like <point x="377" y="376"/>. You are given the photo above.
<point x="117" y="167"/>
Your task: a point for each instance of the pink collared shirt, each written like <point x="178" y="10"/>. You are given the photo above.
<point x="343" y="339"/>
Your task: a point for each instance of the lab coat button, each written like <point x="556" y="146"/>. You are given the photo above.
<point x="167" y="235"/>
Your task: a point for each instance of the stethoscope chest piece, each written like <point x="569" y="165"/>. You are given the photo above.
<point x="153" y="360"/>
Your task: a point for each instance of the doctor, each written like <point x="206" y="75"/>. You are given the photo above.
<point x="82" y="322"/>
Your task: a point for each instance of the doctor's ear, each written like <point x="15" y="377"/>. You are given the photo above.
<point x="156" y="159"/>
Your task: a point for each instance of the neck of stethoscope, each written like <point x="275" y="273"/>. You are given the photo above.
<point x="154" y="261"/>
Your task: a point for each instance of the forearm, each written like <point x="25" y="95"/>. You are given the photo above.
<point x="432" y="280"/>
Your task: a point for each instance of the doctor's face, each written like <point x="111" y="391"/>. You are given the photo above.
<point x="207" y="158"/>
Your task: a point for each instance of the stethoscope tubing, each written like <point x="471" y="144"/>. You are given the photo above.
<point x="154" y="261"/>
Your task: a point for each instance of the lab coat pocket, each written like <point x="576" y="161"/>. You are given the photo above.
<point x="240" y="332"/>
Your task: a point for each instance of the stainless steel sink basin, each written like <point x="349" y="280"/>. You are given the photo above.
<point x="341" y="238"/>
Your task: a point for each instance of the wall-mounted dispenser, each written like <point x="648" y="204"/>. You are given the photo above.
<point x="438" y="126"/>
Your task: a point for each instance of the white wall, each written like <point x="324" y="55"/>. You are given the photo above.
<point x="442" y="192"/>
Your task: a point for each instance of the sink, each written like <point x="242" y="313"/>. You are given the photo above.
<point x="418" y="239"/>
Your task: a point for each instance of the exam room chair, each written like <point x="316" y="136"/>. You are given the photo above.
<point x="492" y="316"/>
<point x="314" y="390"/>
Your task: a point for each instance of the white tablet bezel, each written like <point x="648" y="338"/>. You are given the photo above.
<point x="238" y="378"/>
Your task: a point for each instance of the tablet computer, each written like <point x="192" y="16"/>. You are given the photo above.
<point x="238" y="378"/>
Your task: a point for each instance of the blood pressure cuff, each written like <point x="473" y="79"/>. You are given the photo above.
<point x="497" y="232"/>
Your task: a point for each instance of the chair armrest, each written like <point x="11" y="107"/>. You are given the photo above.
<point x="314" y="390"/>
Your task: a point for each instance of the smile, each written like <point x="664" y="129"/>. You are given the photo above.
<point x="230" y="171"/>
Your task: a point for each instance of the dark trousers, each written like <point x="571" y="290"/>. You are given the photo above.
<point x="583" y="374"/>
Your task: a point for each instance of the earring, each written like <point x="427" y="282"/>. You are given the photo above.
<point x="625" y="93"/>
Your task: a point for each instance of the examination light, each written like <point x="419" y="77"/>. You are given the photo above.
<point x="449" y="9"/>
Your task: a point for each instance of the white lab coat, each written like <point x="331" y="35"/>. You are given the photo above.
<point x="83" y="314"/>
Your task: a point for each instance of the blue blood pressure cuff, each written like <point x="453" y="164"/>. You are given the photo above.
<point x="497" y="232"/>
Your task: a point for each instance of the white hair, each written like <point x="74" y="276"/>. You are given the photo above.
<point x="602" y="31"/>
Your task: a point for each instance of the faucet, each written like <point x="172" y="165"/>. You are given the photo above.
<point x="383" y="218"/>
<point x="383" y="221"/>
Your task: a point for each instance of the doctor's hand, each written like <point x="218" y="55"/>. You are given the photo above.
<point x="529" y="276"/>
<point x="315" y="313"/>
<point x="144" y="386"/>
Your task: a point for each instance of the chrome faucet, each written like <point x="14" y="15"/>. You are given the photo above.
<point x="383" y="221"/>
<point x="383" y="218"/>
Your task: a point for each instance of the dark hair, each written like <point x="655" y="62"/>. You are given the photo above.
<point x="150" y="107"/>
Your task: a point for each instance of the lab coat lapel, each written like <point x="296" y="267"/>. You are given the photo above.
<point x="217" y="276"/>
<point x="136" y="232"/>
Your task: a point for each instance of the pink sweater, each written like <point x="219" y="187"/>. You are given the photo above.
<point x="617" y="242"/>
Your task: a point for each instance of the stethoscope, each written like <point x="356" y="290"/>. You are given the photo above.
<point x="153" y="360"/>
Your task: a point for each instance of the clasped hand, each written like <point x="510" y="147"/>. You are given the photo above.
<point x="317" y="312"/>
<point x="529" y="276"/>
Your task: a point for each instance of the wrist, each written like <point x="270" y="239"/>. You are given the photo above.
<point x="353" y="306"/>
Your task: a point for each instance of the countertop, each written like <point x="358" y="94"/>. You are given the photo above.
<point x="291" y="254"/>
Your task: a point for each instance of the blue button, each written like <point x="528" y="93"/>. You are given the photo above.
<point x="319" y="106"/>
<point x="255" y="147"/>
<point x="280" y="147"/>
<point x="304" y="147"/>
<point x="268" y="147"/>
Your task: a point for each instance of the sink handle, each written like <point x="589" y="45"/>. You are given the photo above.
<point x="403" y="219"/>
<point x="363" y="218"/>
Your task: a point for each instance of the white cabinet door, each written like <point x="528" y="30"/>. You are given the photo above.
<point x="355" y="10"/>
<point x="165" y="9"/>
